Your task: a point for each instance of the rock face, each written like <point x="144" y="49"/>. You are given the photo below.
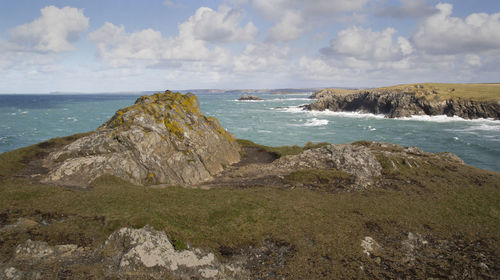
<point x="246" y="97"/>
<point x="161" y="139"/>
<point x="397" y="103"/>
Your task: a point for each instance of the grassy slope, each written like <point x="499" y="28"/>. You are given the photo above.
<point x="325" y="229"/>
<point x="479" y="92"/>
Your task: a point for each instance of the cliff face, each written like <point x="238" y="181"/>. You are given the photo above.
<point x="396" y="103"/>
<point x="161" y="139"/>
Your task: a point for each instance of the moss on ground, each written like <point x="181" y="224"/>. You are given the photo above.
<point x="282" y="150"/>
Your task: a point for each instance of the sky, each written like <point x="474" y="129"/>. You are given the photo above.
<point x="129" y="45"/>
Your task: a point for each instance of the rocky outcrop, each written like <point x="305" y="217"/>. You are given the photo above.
<point x="161" y="139"/>
<point x="246" y="97"/>
<point x="147" y="252"/>
<point x="399" y="103"/>
<point x="128" y="253"/>
<point x="344" y="167"/>
<point x="358" y="161"/>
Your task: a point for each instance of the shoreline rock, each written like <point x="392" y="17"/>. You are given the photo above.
<point x="398" y="103"/>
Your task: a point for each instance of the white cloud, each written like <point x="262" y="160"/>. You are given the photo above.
<point x="473" y="60"/>
<point x="53" y="31"/>
<point x="365" y="44"/>
<point x="443" y="34"/>
<point x="331" y="7"/>
<point x="261" y="57"/>
<point x="119" y="48"/>
<point x="408" y="8"/>
<point x="275" y="8"/>
<point x="292" y="17"/>
<point x="222" y="25"/>
<point x="288" y="29"/>
<point x="318" y="69"/>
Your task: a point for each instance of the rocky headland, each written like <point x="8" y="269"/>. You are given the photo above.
<point x="161" y="191"/>
<point x="406" y="101"/>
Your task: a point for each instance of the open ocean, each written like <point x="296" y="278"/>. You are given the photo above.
<point x="30" y="119"/>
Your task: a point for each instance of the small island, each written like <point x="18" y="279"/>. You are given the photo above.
<point x="468" y="101"/>
<point x="246" y="97"/>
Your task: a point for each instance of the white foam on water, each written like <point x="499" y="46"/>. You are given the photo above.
<point x="237" y="100"/>
<point x="291" y="109"/>
<point x="264" y="131"/>
<point x="315" y="122"/>
<point x="298" y="109"/>
<point x="478" y="127"/>
<point x="445" y="118"/>
<point x="288" y="99"/>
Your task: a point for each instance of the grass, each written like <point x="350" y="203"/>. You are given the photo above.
<point x="329" y="180"/>
<point x="438" y="199"/>
<point x="478" y="92"/>
<point x="282" y="150"/>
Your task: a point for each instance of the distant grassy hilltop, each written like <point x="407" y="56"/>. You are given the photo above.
<point x="479" y="92"/>
<point x="468" y="101"/>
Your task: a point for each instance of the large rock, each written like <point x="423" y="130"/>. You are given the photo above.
<point x="161" y="139"/>
<point x="398" y="103"/>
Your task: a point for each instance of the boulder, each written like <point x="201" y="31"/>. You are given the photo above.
<point x="161" y="139"/>
<point x="246" y="97"/>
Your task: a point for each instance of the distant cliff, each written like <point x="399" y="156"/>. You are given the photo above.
<point x="395" y="102"/>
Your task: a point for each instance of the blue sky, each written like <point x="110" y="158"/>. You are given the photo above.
<point x="112" y="45"/>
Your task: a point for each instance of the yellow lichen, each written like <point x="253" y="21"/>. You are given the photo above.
<point x="173" y="127"/>
<point x="219" y="128"/>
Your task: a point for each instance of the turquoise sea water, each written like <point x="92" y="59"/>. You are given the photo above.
<point x="29" y="119"/>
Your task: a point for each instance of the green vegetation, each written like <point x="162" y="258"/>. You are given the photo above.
<point x="321" y="179"/>
<point x="282" y="150"/>
<point x="442" y="200"/>
<point x="479" y="92"/>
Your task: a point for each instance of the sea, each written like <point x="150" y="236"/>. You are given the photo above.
<point x="27" y="119"/>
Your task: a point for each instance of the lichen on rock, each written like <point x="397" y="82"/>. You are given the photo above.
<point x="161" y="139"/>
